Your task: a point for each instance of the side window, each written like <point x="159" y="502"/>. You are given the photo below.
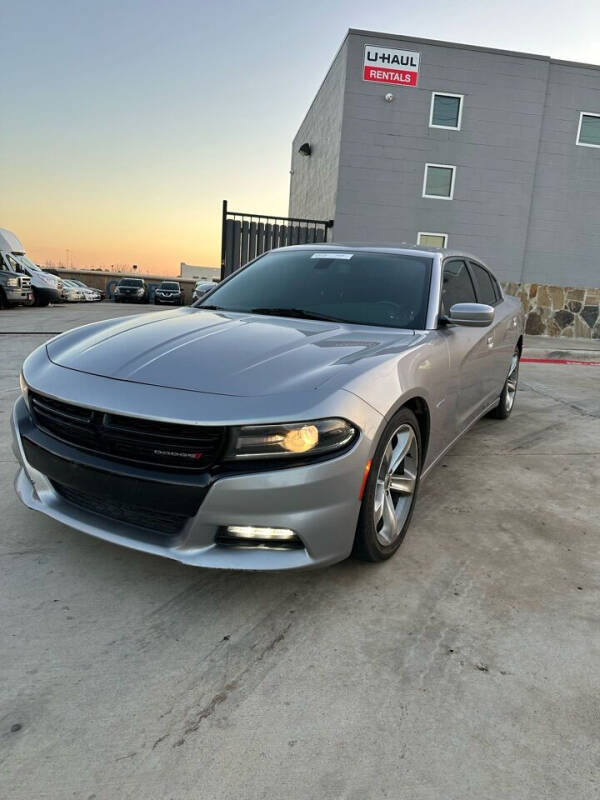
<point x="484" y="285"/>
<point x="457" y="286"/>
<point x="497" y="288"/>
<point x="13" y="264"/>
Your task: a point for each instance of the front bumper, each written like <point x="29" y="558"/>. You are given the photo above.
<point x="45" y="293"/>
<point x="17" y="294"/>
<point x="320" y="502"/>
<point x="130" y="298"/>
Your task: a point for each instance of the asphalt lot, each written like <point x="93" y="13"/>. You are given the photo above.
<point x="464" y="668"/>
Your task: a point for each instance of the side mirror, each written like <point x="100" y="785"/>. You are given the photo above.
<point x="472" y="315"/>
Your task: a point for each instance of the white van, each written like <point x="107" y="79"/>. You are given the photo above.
<point x="47" y="288"/>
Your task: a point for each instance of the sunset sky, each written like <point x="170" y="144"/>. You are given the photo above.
<point x="125" y="124"/>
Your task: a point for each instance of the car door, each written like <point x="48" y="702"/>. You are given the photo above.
<point x="469" y="351"/>
<point x="498" y="340"/>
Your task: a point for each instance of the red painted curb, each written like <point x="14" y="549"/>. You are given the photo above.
<point x="561" y="361"/>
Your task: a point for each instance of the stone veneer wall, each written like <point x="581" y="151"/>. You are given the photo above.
<point x="558" y="310"/>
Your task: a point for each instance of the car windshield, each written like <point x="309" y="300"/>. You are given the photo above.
<point x="366" y="288"/>
<point x="169" y="285"/>
<point x="137" y="282"/>
<point x="27" y="262"/>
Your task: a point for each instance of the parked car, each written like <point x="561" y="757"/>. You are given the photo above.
<point x="91" y="295"/>
<point x="201" y="288"/>
<point x="71" y="292"/>
<point x="15" y="286"/>
<point x="168" y="292"/>
<point x="283" y="423"/>
<point x="45" y="287"/>
<point x="131" y="290"/>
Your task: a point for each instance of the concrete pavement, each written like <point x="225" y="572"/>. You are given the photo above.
<point x="465" y="668"/>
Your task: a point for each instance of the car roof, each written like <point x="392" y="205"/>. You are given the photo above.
<point x="378" y="247"/>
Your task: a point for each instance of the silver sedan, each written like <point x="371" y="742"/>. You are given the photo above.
<point x="283" y="422"/>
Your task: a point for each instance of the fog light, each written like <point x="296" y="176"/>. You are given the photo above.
<point x="252" y="532"/>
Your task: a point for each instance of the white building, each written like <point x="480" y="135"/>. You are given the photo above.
<point x="191" y="272"/>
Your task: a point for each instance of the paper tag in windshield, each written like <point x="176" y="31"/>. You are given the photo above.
<point x="339" y="256"/>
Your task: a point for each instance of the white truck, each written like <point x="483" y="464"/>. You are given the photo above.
<point x="46" y="288"/>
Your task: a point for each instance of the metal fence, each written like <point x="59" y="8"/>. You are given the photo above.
<point x="245" y="236"/>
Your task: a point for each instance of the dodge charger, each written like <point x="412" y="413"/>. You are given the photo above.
<point x="284" y="421"/>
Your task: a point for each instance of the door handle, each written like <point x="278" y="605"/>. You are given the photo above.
<point x="490" y="341"/>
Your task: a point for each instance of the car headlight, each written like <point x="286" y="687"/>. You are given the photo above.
<point x="291" y="439"/>
<point x="12" y="282"/>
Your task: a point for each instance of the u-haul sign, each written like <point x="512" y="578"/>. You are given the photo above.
<point x="387" y="65"/>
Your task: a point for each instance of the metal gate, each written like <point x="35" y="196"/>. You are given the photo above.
<point x="245" y="236"/>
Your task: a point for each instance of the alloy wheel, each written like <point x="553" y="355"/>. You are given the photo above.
<point x="396" y="484"/>
<point x="511" y="382"/>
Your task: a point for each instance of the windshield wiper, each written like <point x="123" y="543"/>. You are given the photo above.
<point x="213" y="308"/>
<point x="299" y="313"/>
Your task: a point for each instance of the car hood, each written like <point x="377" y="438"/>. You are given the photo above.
<point x="224" y="352"/>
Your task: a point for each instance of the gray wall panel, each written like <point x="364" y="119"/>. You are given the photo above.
<point x="526" y="197"/>
<point x="313" y="179"/>
<point x="385" y="147"/>
<point x="563" y="246"/>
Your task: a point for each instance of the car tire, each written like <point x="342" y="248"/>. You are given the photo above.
<point x="40" y="302"/>
<point x="509" y="390"/>
<point x="392" y="485"/>
<point x="3" y="301"/>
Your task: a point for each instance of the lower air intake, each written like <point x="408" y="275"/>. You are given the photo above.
<point x="150" y="519"/>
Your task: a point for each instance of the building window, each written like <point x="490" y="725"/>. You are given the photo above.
<point x="438" y="181"/>
<point x="432" y="239"/>
<point x="588" y="132"/>
<point x="446" y="111"/>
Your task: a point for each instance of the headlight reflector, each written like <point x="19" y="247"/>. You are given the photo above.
<point x="12" y="282"/>
<point x="291" y="438"/>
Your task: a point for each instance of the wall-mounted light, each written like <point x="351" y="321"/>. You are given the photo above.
<point x="305" y="149"/>
<point x="389" y="97"/>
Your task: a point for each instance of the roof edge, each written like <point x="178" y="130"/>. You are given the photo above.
<point x="462" y="46"/>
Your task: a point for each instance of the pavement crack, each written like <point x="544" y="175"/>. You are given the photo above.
<point x="573" y="406"/>
<point x="159" y="740"/>
<point x="249" y="655"/>
<point x="222" y="695"/>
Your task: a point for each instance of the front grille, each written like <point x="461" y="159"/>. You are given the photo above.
<point x="162" y="445"/>
<point x="151" y="519"/>
<point x="25" y="282"/>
